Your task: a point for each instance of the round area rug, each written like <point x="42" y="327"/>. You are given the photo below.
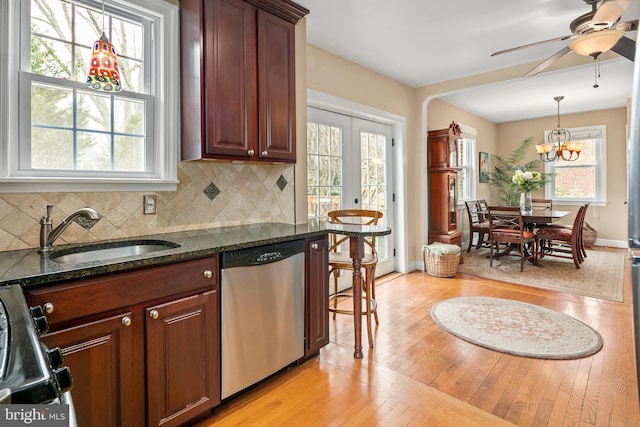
<point x="516" y="327"/>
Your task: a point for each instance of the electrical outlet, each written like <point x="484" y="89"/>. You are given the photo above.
<point x="149" y="205"/>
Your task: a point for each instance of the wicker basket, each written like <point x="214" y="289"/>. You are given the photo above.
<point x="439" y="264"/>
<point x="589" y="235"/>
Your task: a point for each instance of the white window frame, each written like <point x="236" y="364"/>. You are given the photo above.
<point x="468" y="164"/>
<point x="601" y="167"/>
<point x="163" y="104"/>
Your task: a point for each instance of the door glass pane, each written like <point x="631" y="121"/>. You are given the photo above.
<point x="324" y="169"/>
<point x="372" y="178"/>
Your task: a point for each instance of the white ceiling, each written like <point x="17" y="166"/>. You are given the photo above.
<point x="421" y="42"/>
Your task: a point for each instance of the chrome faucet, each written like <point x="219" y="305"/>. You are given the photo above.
<point x="48" y="236"/>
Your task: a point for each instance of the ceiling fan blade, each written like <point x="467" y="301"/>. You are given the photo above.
<point x="557" y="39"/>
<point x="559" y="54"/>
<point x="625" y="47"/>
<point x="609" y="12"/>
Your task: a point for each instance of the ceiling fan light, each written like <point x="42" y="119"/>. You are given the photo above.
<point x="595" y="43"/>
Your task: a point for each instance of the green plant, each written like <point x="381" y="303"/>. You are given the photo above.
<point x="502" y="174"/>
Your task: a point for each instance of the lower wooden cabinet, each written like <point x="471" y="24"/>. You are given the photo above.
<point x="100" y="356"/>
<point x="152" y="362"/>
<point x="182" y="359"/>
<point x="317" y="296"/>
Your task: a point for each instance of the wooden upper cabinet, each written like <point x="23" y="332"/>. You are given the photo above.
<point x="276" y="44"/>
<point x="230" y="86"/>
<point x="238" y="85"/>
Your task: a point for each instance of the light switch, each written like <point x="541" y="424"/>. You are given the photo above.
<point x="149" y="205"/>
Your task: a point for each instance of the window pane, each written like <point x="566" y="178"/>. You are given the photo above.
<point x="131" y="74"/>
<point x="82" y="59"/>
<point x="51" y="18"/>
<point x="94" y="151"/>
<point x="312" y="138"/>
<point x="128" y="116"/>
<point x="94" y="111"/>
<point x="51" y="106"/>
<point x="575" y="182"/>
<point x="128" y="39"/>
<point x="128" y="154"/>
<point x="89" y="25"/>
<point x="51" y="148"/>
<point x="51" y="58"/>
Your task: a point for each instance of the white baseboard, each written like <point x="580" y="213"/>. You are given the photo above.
<point x="612" y="243"/>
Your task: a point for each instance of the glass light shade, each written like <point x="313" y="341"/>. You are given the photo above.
<point x="596" y="42"/>
<point x="104" y="73"/>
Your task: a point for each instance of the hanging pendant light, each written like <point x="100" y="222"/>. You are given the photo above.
<point x="559" y="145"/>
<point x="104" y="73"/>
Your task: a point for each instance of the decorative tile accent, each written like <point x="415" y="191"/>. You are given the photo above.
<point x="282" y="182"/>
<point x="211" y="191"/>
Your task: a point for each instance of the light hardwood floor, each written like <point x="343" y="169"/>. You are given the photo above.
<point x="419" y="375"/>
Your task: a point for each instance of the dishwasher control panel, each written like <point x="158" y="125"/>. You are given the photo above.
<point x="261" y="254"/>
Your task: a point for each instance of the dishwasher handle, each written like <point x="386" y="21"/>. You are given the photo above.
<point x="260" y="255"/>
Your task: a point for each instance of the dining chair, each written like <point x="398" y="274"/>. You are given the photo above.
<point x="564" y="241"/>
<point x="542" y="204"/>
<point x="340" y="259"/>
<point x="506" y="226"/>
<point x="477" y="224"/>
<point x="483" y="207"/>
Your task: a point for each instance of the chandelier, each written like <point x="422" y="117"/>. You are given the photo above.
<point x="559" y="145"/>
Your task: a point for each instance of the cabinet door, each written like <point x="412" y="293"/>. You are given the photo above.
<point x="230" y="79"/>
<point x="276" y="87"/>
<point x="183" y="379"/>
<point x="99" y="355"/>
<point x="317" y="296"/>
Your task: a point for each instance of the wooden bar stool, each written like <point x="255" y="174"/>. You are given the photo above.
<point x="340" y="259"/>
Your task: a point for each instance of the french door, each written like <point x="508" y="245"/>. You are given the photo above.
<point x="349" y="167"/>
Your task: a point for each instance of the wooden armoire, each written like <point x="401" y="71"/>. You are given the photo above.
<point x="442" y="166"/>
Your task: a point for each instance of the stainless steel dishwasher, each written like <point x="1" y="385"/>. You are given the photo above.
<point x="262" y="312"/>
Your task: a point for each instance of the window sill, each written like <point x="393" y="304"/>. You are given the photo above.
<point x="70" y="185"/>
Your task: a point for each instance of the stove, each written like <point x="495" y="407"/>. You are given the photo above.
<point x="30" y="373"/>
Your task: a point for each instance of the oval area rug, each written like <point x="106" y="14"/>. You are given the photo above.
<point x="516" y="327"/>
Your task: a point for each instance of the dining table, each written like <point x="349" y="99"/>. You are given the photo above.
<point x="357" y="234"/>
<point x="543" y="217"/>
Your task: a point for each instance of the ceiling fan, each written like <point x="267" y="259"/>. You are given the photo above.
<point x="593" y="33"/>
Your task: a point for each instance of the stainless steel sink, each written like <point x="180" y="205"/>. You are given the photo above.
<point x="109" y="251"/>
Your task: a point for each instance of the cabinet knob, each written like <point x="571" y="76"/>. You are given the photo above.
<point x="314" y="246"/>
<point x="126" y="321"/>
<point x="251" y="152"/>
<point x="48" y="308"/>
<point x="208" y="274"/>
<point x="154" y="314"/>
<point x="265" y="153"/>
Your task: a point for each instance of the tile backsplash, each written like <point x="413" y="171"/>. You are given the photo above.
<point x="209" y="195"/>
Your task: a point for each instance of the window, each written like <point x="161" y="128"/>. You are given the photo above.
<point x="582" y="180"/>
<point x="466" y="161"/>
<point x="60" y="131"/>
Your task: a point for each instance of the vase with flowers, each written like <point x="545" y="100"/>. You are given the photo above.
<point x="526" y="182"/>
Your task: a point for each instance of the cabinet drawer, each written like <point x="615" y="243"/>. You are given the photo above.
<point x="79" y="298"/>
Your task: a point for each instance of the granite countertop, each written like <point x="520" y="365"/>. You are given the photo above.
<point x="29" y="268"/>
